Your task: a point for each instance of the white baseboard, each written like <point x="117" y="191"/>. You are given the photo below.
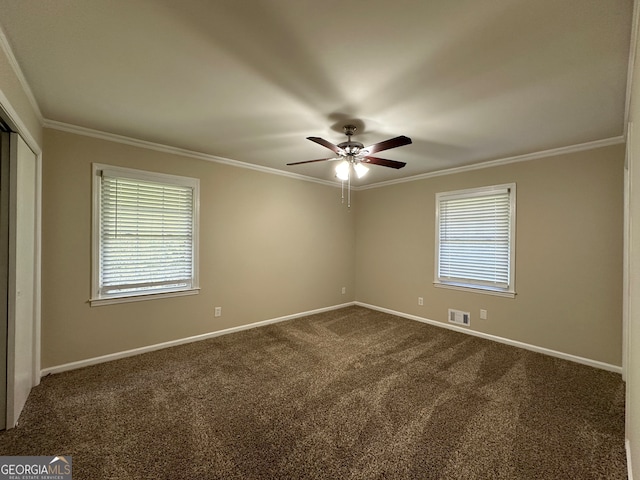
<point x="513" y="343"/>
<point x="627" y="446"/>
<point x="159" y="346"/>
<point x="150" y="348"/>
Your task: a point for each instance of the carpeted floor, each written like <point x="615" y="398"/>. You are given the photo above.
<point x="347" y="394"/>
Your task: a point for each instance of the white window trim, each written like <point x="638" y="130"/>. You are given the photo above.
<point x="97" y="169"/>
<point x="473" y="288"/>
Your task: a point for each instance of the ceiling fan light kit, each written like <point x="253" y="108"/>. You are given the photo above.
<point x="355" y="154"/>
<point x="343" y="169"/>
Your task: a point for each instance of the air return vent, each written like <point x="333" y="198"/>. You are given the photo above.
<point x="459" y="317"/>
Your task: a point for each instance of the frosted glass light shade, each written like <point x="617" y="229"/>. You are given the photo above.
<point x="342" y="170"/>
<point x="360" y="169"/>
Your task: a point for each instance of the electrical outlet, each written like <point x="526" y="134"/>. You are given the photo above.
<point x="344" y="290"/>
<point x="483" y="314"/>
<point x="420" y="301"/>
<point x="217" y="312"/>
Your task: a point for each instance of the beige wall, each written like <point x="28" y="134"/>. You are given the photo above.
<point x="568" y="252"/>
<point x="273" y="246"/>
<point x="269" y="246"/>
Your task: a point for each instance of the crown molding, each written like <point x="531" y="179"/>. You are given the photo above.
<point x="112" y="137"/>
<point x="15" y="66"/>
<point x="88" y="132"/>
<point x="503" y="161"/>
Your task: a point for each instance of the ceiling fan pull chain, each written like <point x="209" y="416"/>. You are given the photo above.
<point x="342" y="182"/>
<point x="349" y="191"/>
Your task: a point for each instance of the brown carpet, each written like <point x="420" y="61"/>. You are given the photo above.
<point x="348" y="394"/>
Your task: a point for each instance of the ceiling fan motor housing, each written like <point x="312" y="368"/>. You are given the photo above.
<point x="351" y="148"/>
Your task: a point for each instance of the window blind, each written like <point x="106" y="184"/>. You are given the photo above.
<point x="474" y="238"/>
<point x="146" y="236"/>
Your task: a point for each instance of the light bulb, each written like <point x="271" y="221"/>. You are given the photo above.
<point x="342" y="170"/>
<point x="360" y="169"/>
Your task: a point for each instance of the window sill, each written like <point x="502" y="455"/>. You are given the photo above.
<point x="481" y="290"/>
<point x="97" y="302"/>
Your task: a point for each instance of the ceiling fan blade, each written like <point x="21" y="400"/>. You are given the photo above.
<point x="383" y="162"/>
<point x="326" y="143"/>
<point x="387" y="144"/>
<point x="311" y="161"/>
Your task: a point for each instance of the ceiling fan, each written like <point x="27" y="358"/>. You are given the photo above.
<point x="355" y="154"/>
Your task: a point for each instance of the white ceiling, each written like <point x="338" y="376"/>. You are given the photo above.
<point x="469" y="81"/>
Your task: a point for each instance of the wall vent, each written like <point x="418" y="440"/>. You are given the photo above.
<point x="459" y="317"/>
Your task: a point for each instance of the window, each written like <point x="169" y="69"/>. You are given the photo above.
<point x="145" y="235"/>
<point x="475" y="239"/>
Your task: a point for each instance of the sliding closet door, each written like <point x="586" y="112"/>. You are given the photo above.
<point x="22" y="277"/>
<point x="4" y="271"/>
